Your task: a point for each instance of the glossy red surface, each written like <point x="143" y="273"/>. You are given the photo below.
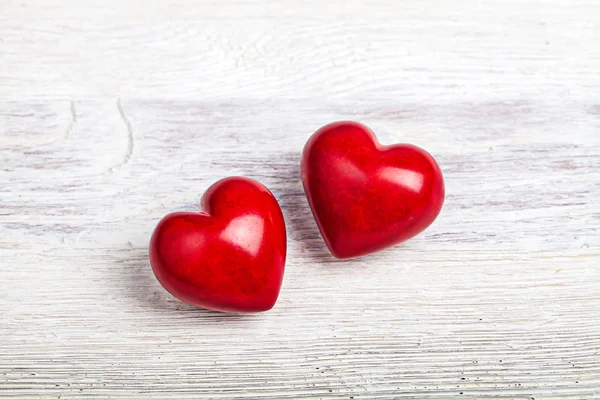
<point x="228" y="257"/>
<point x="366" y="196"/>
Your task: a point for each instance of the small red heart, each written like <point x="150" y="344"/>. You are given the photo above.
<point x="228" y="257"/>
<point x="366" y="196"/>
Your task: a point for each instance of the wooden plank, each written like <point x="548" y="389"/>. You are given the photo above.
<point x="112" y="116"/>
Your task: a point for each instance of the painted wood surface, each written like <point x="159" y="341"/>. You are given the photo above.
<point x="115" y="113"/>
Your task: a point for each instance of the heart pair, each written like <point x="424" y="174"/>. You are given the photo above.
<point x="365" y="197"/>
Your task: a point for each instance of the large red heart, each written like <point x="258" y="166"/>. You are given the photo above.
<point x="366" y="196"/>
<point x="228" y="257"/>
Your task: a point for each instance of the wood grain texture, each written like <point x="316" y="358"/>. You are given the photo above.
<point x="115" y="113"/>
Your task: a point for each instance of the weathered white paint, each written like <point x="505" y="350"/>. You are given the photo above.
<point x="115" y="113"/>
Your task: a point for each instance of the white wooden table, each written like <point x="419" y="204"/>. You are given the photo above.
<point x="114" y="113"/>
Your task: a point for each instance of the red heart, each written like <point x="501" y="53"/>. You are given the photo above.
<point x="230" y="256"/>
<point x="366" y="196"/>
